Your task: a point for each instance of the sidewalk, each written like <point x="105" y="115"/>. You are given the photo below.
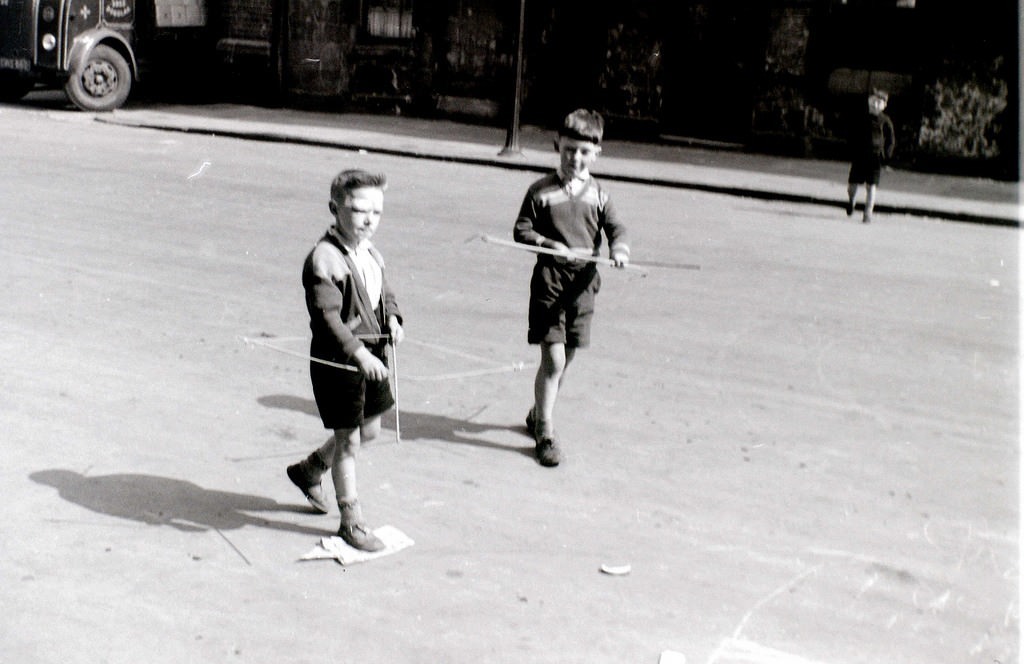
<point x="736" y="173"/>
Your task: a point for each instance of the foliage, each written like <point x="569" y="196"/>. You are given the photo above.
<point x="964" y="120"/>
<point x="631" y="76"/>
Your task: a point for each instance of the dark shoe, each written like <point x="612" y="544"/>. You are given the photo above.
<point x="849" y="208"/>
<point x="354" y="531"/>
<point x="310" y="487"/>
<point x="548" y="453"/>
<point x="358" y="536"/>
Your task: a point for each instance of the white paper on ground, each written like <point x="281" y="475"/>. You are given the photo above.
<point x="335" y="548"/>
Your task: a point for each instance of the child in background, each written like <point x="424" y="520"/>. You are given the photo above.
<point x="567" y="211"/>
<point x="872" y="141"/>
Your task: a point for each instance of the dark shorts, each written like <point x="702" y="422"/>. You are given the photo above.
<point x="865" y="169"/>
<point x="345" y="398"/>
<point x="562" y="303"/>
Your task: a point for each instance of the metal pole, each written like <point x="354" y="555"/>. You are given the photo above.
<point x="512" y="137"/>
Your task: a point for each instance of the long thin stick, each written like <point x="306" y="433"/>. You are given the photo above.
<point x="397" y="417"/>
<point x="500" y="368"/>
<point x="450" y="351"/>
<point x="639" y="265"/>
<point x="304" y="356"/>
<point x="544" y="250"/>
<point x="394" y="374"/>
<point x="518" y="366"/>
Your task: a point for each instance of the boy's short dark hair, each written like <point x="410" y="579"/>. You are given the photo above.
<point x="583" y="125"/>
<point x="354" y="178"/>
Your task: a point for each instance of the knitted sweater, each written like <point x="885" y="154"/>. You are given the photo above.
<point x="550" y="214"/>
<point x="873" y="135"/>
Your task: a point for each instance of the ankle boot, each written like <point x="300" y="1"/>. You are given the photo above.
<point x="306" y="475"/>
<point x="353" y="530"/>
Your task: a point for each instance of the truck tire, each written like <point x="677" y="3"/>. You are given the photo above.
<point x="102" y="82"/>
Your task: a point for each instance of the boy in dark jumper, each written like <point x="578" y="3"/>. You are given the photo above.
<point x="353" y="316"/>
<point x="567" y="211"/>
<point x="871" y="142"/>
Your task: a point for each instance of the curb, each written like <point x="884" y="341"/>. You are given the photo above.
<point x="527" y="165"/>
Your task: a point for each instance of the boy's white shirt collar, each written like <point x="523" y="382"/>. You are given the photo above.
<point x="360" y="246"/>
<point x="370" y="265"/>
<point x="574" y="184"/>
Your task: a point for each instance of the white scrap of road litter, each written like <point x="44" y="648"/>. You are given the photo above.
<point x="335" y="548"/>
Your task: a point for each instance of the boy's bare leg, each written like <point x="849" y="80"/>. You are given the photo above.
<point x="352" y="529"/>
<point x="369" y="430"/>
<point x="869" y="202"/>
<point x="343" y="466"/>
<point x="851" y="195"/>
<point x="554" y="360"/>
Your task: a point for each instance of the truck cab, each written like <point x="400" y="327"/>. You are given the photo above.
<point x="87" y="46"/>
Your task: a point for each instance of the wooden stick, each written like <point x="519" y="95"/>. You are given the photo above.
<point x="600" y="260"/>
<point x="638" y="266"/>
<point x="258" y="342"/>
<point x="394" y="373"/>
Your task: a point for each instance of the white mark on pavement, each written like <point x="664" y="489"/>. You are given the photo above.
<point x="747" y="651"/>
<point x="939" y="603"/>
<point x="867" y="585"/>
<point x="202" y="169"/>
<point x="755" y="653"/>
<point x="980" y="645"/>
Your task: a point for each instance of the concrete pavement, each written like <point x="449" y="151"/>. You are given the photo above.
<point x="731" y="172"/>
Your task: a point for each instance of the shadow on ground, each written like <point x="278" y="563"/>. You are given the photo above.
<point x="421" y="426"/>
<point x="164" y="501"/>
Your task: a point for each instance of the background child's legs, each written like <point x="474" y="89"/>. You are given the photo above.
<point x="869" y="202"/>
<point x="851" y="193"/>
<point x="554" y="360"/>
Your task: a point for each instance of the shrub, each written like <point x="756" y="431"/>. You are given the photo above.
<point x="964" y="118"/>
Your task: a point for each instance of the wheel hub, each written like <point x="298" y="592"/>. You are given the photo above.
<point x="99" y="78"/>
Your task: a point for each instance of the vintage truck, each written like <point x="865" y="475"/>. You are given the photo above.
<point x="90" y="47"/>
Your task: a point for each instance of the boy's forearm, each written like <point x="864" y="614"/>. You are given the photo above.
<point x="340" y="332"/>
<point x="324" y="302"/>
<point x="615" y="231"/>
<point x="525" y="234"/>
<point x="391" y="302"/>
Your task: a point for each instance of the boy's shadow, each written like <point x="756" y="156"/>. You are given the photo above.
<point x="163" y="501"/>
<point x="418" y="426"/>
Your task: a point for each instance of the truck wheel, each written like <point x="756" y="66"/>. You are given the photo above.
<point x="102" y="83"/>
<point x="13" y="88"/>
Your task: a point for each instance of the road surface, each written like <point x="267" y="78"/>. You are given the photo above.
<point x="806" y="451"/>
